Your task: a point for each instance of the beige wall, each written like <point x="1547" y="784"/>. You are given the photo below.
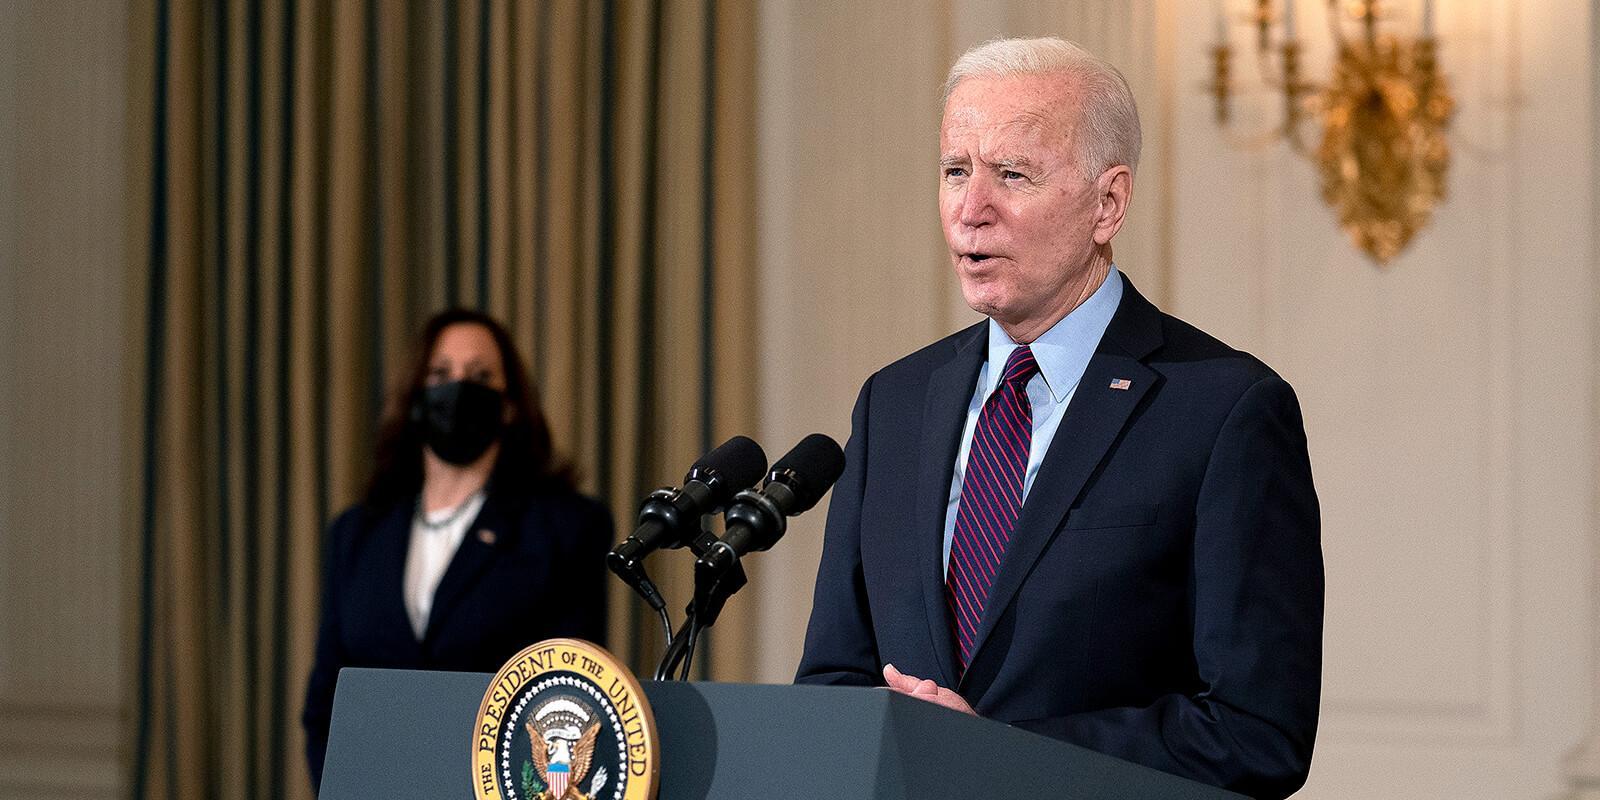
<point x="853" y="275"/>
<point x="62" y="404"/>
<point x="1449" y="399"/>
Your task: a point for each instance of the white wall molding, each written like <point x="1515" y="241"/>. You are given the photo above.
<point x="65" y="750"/>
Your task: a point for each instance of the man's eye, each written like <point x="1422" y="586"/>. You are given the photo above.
<point x="1012" y="175"/>
<point x="954" y="172"/>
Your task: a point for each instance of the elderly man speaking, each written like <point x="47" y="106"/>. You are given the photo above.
<point x="1081" y="516"/>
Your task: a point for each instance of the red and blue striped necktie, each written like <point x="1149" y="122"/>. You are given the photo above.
<point x="991" y="497"/>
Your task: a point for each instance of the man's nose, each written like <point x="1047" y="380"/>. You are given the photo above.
<point x="977" y="207"/>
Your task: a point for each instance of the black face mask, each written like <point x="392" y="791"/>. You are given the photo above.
<point x="461" y="419"/>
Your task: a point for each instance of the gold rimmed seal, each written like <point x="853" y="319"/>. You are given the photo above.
<point x="565" y="720"/>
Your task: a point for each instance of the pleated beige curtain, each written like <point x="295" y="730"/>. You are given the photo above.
<point x="323" y="176"/>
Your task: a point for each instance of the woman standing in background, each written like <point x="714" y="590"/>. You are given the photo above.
<point x="471" y="542"/>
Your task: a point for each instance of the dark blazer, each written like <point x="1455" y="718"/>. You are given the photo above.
<point x="529" y="568"/>
<point x="1161" y="599"/>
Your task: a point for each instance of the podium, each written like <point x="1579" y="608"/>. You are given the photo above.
<point x="399" y="734"/>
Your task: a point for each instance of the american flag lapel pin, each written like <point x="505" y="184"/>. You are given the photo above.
<point x="1122" y="384"/>
<point x="486" y="536"/>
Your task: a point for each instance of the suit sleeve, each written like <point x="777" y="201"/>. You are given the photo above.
<point x="329" y="656"/>
<point x="840" y="646"/>
<point x="1258" y="597"/>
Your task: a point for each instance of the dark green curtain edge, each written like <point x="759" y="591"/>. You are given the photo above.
<point x="219" y="255"/>
<point x="604" y="259"/>
<point x="645" y="337"/>
<point x="452" y="112"/>
<point x="154" y="368"/>
<point x="483" y="156"/>
<point x="374" y="201"/>
<point x="252" y="393"/>
<point x="541" y="189"/>
<point x="276" y="723"/>
<point x="708" y="255"/>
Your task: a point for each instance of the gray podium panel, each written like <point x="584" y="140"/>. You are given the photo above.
<point x="400" y="734"/>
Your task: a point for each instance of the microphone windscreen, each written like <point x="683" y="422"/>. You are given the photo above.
<point x="810" y="469"/>
<point x="739" y="461"/>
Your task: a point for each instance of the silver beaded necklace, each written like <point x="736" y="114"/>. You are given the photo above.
<point x="455" y="514"/>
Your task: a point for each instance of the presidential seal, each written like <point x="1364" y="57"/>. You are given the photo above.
<point x="563" y="720"/>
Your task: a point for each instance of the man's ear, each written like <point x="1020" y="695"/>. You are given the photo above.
<point x="1114" y="189"/>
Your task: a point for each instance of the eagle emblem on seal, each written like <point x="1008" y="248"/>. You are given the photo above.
<point x="562" y="733"/>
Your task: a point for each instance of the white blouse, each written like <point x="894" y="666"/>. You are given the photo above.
<point x="435" y="536"/>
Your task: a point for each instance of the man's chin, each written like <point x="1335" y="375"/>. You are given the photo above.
<point x="984" y="303"/>
<point x="984" y="308"/>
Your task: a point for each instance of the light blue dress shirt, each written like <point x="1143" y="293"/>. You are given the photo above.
<point x="1063" y="354"/>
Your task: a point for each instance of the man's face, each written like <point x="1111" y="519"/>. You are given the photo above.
<point x="1018" y="215"/>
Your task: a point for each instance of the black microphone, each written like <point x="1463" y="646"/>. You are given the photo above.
<point x="671" y="517"/>
<point x="757" y="520"/>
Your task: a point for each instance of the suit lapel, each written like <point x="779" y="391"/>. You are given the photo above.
<point x="489" y="534"/>
<point x="1093" y="422"/>
<point x="391" y="541"/>
<point x="944" y="412"/>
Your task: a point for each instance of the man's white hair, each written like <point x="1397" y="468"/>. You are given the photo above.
<point x="1107" y="121"/>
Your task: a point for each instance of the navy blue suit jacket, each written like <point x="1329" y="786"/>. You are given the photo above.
<point x="530" y="567"/>
<point x="1161" y="598"/>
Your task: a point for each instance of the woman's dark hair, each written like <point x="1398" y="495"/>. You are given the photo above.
<point x="527" y="459"/>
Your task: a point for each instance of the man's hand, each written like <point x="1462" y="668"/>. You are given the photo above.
<point x="923" y="689"/>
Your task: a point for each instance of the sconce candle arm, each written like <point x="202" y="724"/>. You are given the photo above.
<point x="1381" y="117"/>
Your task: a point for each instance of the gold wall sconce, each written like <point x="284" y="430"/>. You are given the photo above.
<point x="1382" y="113"/>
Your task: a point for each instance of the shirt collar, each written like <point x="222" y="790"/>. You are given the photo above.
<point x="1063" y="352"/>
